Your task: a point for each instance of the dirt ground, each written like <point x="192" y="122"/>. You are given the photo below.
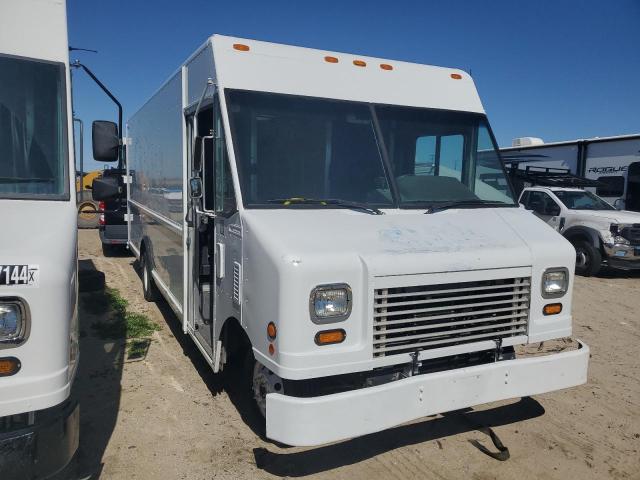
<point x="166" y="416"/>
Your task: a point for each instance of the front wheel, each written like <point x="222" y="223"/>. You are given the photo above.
<point x="588" y="259"/>
<point x="149" y="288"/>
<point x="262" y="381"/>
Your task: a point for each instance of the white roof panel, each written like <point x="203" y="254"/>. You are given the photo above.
<point x="277" y="68"/>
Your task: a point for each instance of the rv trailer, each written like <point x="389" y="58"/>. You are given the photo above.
<point x="38" y="247"/>
<point x="320" y="221"/>
<point x="613" y="161"/>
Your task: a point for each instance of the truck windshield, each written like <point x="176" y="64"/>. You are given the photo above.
<point x="582" y="200"/>
<point x="291" y="147"/>
<point x="33" y="160"/>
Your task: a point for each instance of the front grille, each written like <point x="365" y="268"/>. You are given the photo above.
<point x="632" y="233"/>
<point x="409" y="319"/>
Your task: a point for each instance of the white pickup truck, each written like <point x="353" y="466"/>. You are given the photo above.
<point x="600" y="234"/>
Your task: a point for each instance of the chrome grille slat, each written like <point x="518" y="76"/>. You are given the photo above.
<point x="416" y="346"/>
<point x="390" y="340"/>
<point x="459" y="322"/>
<point x="395" y="313"/>
<point x="452" y="290"/>
<point x="409" y="319"/>
<point x="466" y="297"/>
<point x="439" y="317"/>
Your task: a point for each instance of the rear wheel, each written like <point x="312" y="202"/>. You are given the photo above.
<point x="588" y="258"/>
<point x="149" y="288"/>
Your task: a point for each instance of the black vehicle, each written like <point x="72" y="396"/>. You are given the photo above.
<point x="112" y="225"/>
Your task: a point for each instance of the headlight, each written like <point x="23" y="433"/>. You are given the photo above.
<point x="330" y="303"/>
<point x="555" y="282"/>
<point x="616" y="234"/>
<point x="13" y="321"/>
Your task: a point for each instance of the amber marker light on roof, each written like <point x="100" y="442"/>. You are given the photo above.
<point x="360" y="63"/>
<point x="331" y="59"/>
<point x="456" y="76"/>
<point x="386" y="66"/>
<point x="241" y="46"/>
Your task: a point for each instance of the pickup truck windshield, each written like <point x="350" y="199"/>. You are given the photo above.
<point x="582" y="200"/>
<point x="382" y="156"/>
<point x="33" y="160"/>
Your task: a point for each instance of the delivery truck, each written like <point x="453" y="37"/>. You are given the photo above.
<point x="38" y="245"/>
<point x="319" y="220"/>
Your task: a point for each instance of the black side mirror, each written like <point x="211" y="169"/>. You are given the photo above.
<point x="106" y="144"/>
<point x="105" y="188"/>
<point x="195" y="187"/>
<point x="197" y="154"/>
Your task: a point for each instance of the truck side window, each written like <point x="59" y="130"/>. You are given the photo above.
<point x="612" y="186"/>
<point x="540" y="202"/>
<point x="225" y="198"/>
<point x="524" y="199"/>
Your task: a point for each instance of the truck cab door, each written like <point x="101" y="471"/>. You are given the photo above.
<point x="200" y="272"/>
<point x="545" y="208"/>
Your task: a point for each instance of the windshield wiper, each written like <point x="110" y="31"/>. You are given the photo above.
<point x="334" y="202"/>
<point x="475" y="203"/>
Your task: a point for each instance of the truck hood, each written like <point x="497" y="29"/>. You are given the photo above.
<point x="612" y="216"/>
<point x="408" y="242"/>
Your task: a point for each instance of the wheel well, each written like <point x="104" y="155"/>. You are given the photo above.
<point x="234" y="338"/>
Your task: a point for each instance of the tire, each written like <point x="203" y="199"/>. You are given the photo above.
<point x="149" y="289"/>
<point x="86" y="204"/>
<point x="260" y="381"/>
<point x="588" y="258"/>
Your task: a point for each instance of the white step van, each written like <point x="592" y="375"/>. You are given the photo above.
<point x="323" y="219"/>
<point x="38" y="244"/>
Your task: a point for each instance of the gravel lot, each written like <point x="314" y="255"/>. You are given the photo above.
<point x="166" y="415"/>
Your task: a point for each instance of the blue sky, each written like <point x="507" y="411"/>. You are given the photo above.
<point x="556" y="69"/>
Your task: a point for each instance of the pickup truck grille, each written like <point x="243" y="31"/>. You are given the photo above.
<point x="632" y="233"/>
<point x="408" y="319"/>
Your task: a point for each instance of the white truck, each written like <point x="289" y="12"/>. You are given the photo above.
<point x="320" y="220"/>
<point x="38" y="245"/>
<point x="600" y="234"/>
<point x="613" y="161"/>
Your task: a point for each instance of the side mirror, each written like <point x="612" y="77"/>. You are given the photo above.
<point x="104" y="136"/>
<point x="618" y="204"/>
<point x="105" y="188"/>
<point x="197" y="154"/>
<point x="195" y="187"/>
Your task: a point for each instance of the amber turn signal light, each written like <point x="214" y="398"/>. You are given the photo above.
<point x="552" y="309"/>
<point x="329" y="337"/>
<point x="386" y="66"/>
<point x="241" y="46"/>
<point x="9" y="366"/>
<point x="360" y="63"/>
<point x="331" y="59"/>
<point x="456" y="76"/>
<point x="272" y="331"/>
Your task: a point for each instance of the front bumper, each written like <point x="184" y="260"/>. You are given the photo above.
<point x="113" y="234"/>
<point x="318" y="420"/>
<point x="625" y="257"/>
<point x="43" y="448"/>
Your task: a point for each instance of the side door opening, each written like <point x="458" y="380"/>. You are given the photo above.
<point x="633" y="187"/>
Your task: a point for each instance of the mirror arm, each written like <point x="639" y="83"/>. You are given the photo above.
<point x="77" y="64"/>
